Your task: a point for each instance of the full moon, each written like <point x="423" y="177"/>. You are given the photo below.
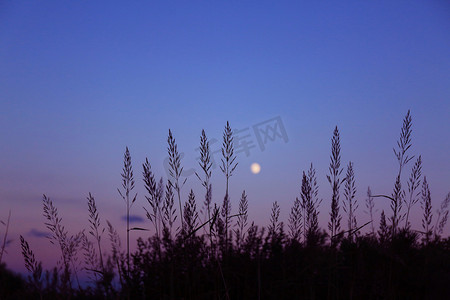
<point x="255" y="168"/>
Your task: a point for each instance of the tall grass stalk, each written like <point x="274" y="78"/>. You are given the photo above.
<point x="383" y="232"/>
<point x="206" y="164"/>
<point x="335" y="171"/>
<point x="413" y="188"/>
<point x="335" y="218"/>
<point x="228" y="166"/>
<point x="241" y="220"/>
<point x="117" y="255"/>
<point x="312" y="205"/>
<point x="274" y="226"/>
<point x="306" y="200"/>
<point x="398" y="195"/>
<point x="427" y="211"/>
<point x="295" y="219"/>
<point x="32" y="265"/>
<point x="175" y="171"/>
<point x="169" y="212"/>
<point x="95" y="230"/>
<point x="68" y="245"/>
<point x="350" y="204"/>
<point x="190" y="214"/>
<point x="127" y="186"/>
<point x="155" y="197"/>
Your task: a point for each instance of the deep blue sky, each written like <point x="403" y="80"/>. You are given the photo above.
<point x="81" y="80"/>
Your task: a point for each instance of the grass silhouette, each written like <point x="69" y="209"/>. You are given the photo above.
<point x="213" y="254"/>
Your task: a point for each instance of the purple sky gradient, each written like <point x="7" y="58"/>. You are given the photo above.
<point x="81" y="81"/>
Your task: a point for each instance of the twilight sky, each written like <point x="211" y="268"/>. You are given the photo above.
<point x="80" y="81"/>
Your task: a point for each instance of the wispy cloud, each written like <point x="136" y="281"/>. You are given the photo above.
<point x="37" y="233"/>
<point x="134" y="219"/>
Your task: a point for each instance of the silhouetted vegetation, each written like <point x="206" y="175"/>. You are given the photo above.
<point x="209" y="253"/>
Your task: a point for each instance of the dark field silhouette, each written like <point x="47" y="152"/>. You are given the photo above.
<point x="203" y="250"/>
